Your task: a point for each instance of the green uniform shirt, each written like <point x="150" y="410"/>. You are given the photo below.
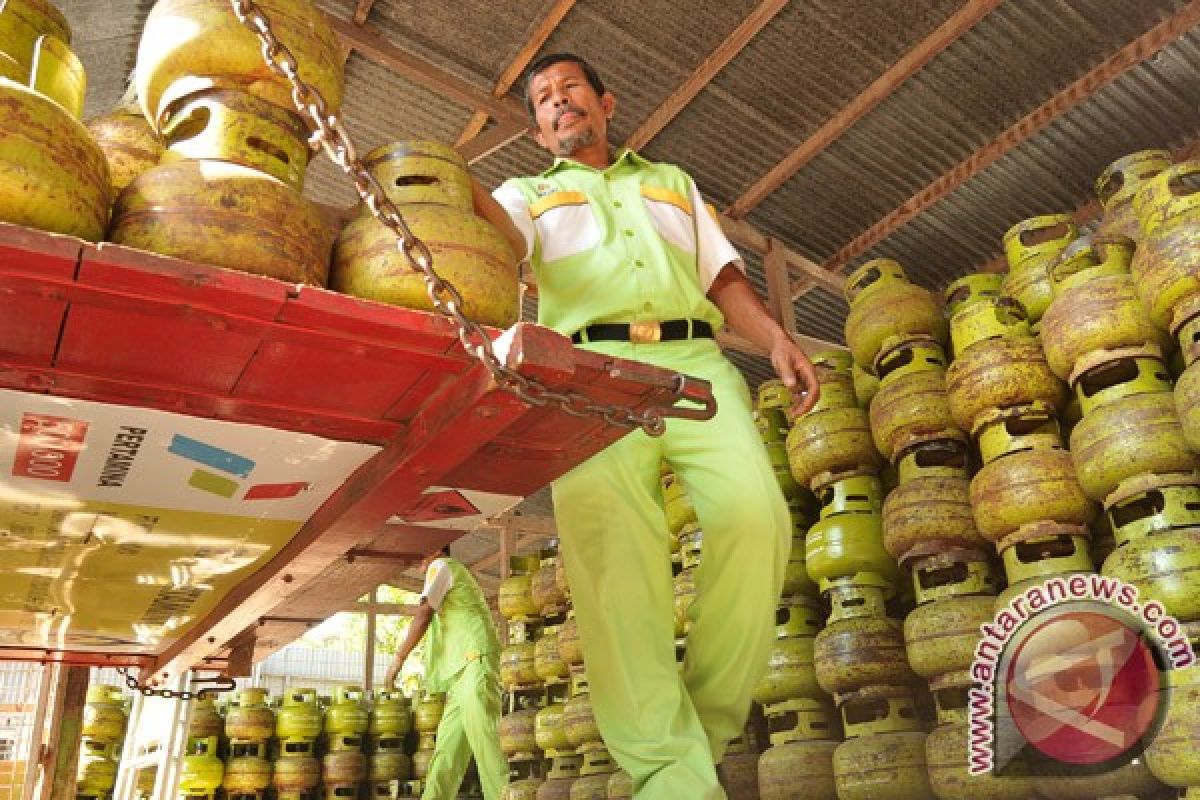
<point x="632" y="242"/>
<point x="461" y="630"/>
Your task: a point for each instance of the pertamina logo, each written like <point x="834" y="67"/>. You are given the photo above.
<point x="48" y="447"/>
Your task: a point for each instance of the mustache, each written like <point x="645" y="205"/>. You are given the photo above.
<point x="568" y="110"/>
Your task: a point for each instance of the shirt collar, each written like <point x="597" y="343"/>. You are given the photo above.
<point x="623" y="155"/>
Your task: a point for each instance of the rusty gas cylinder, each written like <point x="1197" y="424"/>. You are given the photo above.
<point x="1117" y="185"/>
<point x="1165" y="264"/>
<point x="883" y="757"/>
<point x="1001" y="373"/>
<point x="130" y="145"/>
<point x="578" y="719"/>
<point x="1095" y="306"/>
<point x="809" y="764"/>
<point x="884" y="304"/>
<point x="911" y="403"/>
<point x="850" y="493"/>
<point x="570" y="648"/>
<point x="517" y="731"/>
<point x="971" y="289"/>
<point x="521" y="789"/>
<point x="426" y="181"/>
<point x="860" y="646"/>
<point x="229" y="194"/>
<point x="927" y="513"/>
<point x="1153" y="504"/>
<point x="517" y="665"/>
<point x="543" y="587"/>
<point x="1171" y="754"/>
<point x="946" y="757"/>
<point x="53" y="176"/>
<point x="955" y="594"/>
<point x="1132" y="436"/>
<point x="620" y="786"/>
<point x="1039" y="551"/>
<point x="202" y="43"/>
<point x="1030" y="247"/>
<point x="1025" y="487"/>
<point x="297" y="774"/>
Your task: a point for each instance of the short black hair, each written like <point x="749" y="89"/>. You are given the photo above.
<point x="589" y="72"/>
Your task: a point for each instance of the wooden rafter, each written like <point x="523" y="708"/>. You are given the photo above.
<point x="746" y="236"/>
<point x="908" y="65"/>
<point x="362" y="11"/>
<point x="369" y="43"/>
<point x="704" y="73"/>
<point x="516" y="67"/>
<point x="1112" y="67"/>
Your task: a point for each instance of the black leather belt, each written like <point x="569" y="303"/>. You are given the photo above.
<point x="644" y="332"/>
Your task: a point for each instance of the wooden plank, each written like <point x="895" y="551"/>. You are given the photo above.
<point x="498" y="137"/>
<point x="893" y="77"/>
<point x="704" y="73"/>
<point x="362" y="11"/>
<point x="1118" y="63"/>
<point x="809" y="344"/>
<point x="66" y="733"/>
<point x="516" y="68"/>
<point x="371" y="44"/>
<point x="745" y="235"/>
<point x="779" y="295"/>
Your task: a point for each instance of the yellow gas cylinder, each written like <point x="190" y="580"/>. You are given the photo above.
<point x="801" y="755"/>
<point x="429" y="183"/>
<point x="53" y="176"/>
<point x="620" y="786"/>
<point x="97" y="772"/>
<point x="1164" y="265"/>
<point x="884" y="304"/>
<point x="517" y="730"/>
<point x="849" y="548"/>
<point x="246" y="774"/>
<point x="202" y="771"/>
<point x="428" y="713"/>
<point x="912" y="404"/>
<point x="202" y="43"/>
<point x="1117" y="185"/>
<point x="578" y="719"/>
<point x="677" y="505"/>
<point x="833" y="438"/>
<point x="549" y="731"/>
<point x="1030" y="247"/>
<point x="594" y="775"/>
<point x="23" y="22"/>
<point x="227" y="192"/>
<point x="299" y="716"/>
<point x="424" y="754"/>
<point x="931" y="508"/>
<point x="521" y="789"/>
<point x="883" y="757"/>
<point x="547" y="661"/>
<point x="955" y="594"/>
<point x="971" y="289"/>
<point x="104" y="714"/>
<point x="1039" y="551"/>
<point x="1171" y="754"/>
<point x="544" y="586"/>
<point x="296" y="774"/>
<point x="791" y="673"/>
<point x="517" y="665"/>
<point x="570" y="648"/>
<point x="946" y="756"/>
<point x="343" y="766"/>
<point x="130" y="145"/>
<point x="515" y="596"/>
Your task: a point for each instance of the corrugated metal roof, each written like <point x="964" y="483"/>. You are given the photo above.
<point x="808" y="62"/>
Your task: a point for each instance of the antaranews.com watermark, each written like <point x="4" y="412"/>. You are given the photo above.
<point x="1072" y="668"/>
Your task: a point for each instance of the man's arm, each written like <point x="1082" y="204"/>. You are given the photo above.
<point x="487" y="207"/>
<point x="416" y="630"/>
<point x="745" y="313"/>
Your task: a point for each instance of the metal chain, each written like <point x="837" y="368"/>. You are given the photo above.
<point x="149" y="691"/>
<point x="329" y="133"/>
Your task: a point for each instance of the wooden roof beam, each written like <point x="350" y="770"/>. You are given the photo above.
<point x="369" y="43"/>
<point x="704" y="73"/>
<point x="362" y="11"/>
<point x="908" y="65"/>
<point x="1118" y="63"/>
<point x="516" y="67"/>
<point x="746" y="236"/>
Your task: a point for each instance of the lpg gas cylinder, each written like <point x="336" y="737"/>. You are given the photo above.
<point x="1117" y="185"/>
<point x="130" y="145"/>
<point x="860" y="646"/>
<point x="248" y="717"/>
<point x="1164" y="265"/>
<point x="884" y="304"/>
<point x="1030" y="247"/>
<point x="299" y="716"/>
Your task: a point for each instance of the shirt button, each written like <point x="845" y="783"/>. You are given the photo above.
<point x="628" y="232"/>
<point x="639" y="263"/>
<point x="616" y="203"/>
<point x="647" y="306"/>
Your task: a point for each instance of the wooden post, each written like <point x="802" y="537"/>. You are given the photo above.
<point x="369" y="667"/>
<point x="66" y="729"/>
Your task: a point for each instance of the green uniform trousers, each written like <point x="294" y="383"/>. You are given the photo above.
<point x="470" y="724"/>
<point x="665" y="728"/>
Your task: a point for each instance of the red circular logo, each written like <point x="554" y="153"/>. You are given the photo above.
<point x="1083" y="688"/>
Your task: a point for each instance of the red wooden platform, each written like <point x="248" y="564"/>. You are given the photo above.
<point x="118" y="326"/>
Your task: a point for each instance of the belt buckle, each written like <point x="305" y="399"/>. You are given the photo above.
<point x="645" y="332"/>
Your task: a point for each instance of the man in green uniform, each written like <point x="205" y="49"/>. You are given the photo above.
<point x="462" y="659"/>
<point x="629" y="262"/>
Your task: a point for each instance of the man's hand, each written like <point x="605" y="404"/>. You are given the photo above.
<point x="797" y="373"/>
<point x="389" y="680"/>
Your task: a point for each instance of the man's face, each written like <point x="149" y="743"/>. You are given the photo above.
<point x="569" y="113"/>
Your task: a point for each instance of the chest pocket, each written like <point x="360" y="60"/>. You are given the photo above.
<point x="671" y="213"/>
<point x="565" y="225"/>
